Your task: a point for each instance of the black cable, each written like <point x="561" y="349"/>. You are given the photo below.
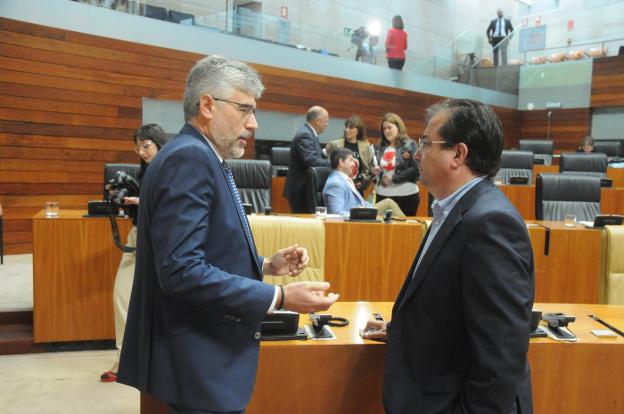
<point x="546" y="239"/>
<point x="117" y="239"/>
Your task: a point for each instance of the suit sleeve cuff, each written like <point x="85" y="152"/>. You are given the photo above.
<point x="274" y="301"/>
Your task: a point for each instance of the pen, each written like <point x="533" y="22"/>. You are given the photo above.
<point x="613" y="328"/>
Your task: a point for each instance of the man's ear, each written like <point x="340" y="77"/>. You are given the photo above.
<point x="206" y="106"/>
<point x="461" y="153"/>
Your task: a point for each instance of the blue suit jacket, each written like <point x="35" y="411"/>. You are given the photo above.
<point x="305" y="152"/>
<point x="197" y="299"/>
<point x="459" y="334"/>
<point x="338" y="195"/>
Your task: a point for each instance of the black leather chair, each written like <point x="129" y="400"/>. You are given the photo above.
<point x="584" y="164"/>
<point x="155" y="12"/>
<point x="110" y="171"/>
<point x="542" y="149"/>
<point x="559" y="194"/>
<point x="315" y="181"/>
<point x="182" y="18"/>
<point x="611" y="148"/>
<point x="253" y="180"/>
<point x="516" y="164"/>
<point x="280" y="159"/>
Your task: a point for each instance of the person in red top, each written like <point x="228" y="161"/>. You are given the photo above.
<point x="396" y="44"/>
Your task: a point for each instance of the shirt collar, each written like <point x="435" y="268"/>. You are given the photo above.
<point x="313" y="130"/>
<point x="449" y="202"/>
<point x="214" y="149"/>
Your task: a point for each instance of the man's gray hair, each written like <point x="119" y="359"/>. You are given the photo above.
<point x="219" y="77"/>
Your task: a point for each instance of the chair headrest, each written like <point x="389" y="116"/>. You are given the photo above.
<point x="538" y="146"/>
<point x="517" y="159"/>
<point x="583" y="162"/>
<point x="611" y="148"/>
<point x="251" y="173"/>
<point x="569" y="187"/>
<point x="280" y="156"/>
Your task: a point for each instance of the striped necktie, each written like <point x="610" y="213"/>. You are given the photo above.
<point x="239" y="205"/>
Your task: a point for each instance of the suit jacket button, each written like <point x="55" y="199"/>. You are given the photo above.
<point x="257" y="335"/>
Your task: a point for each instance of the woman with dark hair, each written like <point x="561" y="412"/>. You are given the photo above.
<point x="394" y="165"/>
<point x="354" y="138"/>
<point x="148" y="140"/>
<point x="396" y="44"/>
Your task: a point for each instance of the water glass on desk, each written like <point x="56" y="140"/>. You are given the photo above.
<point x="321" y="212"/>
<point x="51" y="209"/>
<point x="569" y="220"/>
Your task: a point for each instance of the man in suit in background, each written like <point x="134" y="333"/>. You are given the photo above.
<point x="459" y="334"/>
<point x="305" y="152"/>
<point x="192" y="336"/>
<point x="339" y="192"/>
<point x="497" y="32"/>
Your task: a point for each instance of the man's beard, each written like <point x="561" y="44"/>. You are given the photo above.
<point x="227" y="141"/>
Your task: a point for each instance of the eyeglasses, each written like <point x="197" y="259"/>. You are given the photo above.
<point x="424" y="143"/>
<point x="245" y="109"/>
<point x="145" y="145"/>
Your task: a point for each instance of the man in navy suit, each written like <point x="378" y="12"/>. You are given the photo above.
<point x="459" y="334"/>
<point x="497" y="32"/>
<point x="192" y="336"/>
<point x="339" y="192"/>
<point x="305" y="152"/>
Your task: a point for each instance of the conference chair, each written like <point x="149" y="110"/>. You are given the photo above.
<point x="315" y="181"/>
<point x="280" y="160"/>
<point x="155" y="12"/>
<point x="611" y="148"/>
<point x="253" y="180"/>
<point x="542" y="149"/>
<point x="584" y="164"/>
<point x="559" y="194"/>
<point x="110" y="172"/>
<point x="516" y="164"/>
<point x="181" y="18"/>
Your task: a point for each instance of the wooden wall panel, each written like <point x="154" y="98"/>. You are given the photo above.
<point x="608" y="82"/>
<point x="567" y="126"/>
<point x="70" y="102"/>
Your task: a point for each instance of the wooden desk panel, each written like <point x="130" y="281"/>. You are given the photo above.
<point x="345" y="376"/>
<point x="369" y="261"/>
<point x="522" y="197"/>
<point x="617" y="175"/>
<point x="279" y="204"/>
<point x="572" y="272"/>
<point x="74" y="268"/>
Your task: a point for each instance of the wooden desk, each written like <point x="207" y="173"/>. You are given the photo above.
<point x="74" y="267"/>
<point x="345" y="376"/>
<point x="75" y="263"/>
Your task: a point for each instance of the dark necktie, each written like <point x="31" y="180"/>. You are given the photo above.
<point x="239" y="206"/>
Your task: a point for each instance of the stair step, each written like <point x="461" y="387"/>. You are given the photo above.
<point x="17" y="338"/>
<point x="16" y="317"/>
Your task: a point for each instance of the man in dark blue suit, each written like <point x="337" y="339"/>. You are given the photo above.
<point x="305" y="152"/>
<point x="192" y="335"/>
<point x="497" y="33"/>
<point x="459" y="334"/>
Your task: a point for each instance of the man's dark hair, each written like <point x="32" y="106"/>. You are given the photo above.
<point x="476" y="125"/>
<point x="337" y="155"/>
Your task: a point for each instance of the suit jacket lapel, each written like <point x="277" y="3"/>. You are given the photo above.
<point x="187" y="129"/>
<point x="453" y="219"/>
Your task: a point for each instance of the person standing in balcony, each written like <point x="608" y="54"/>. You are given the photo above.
<point x="396" y="44"/>
<point x="497" y="33"/>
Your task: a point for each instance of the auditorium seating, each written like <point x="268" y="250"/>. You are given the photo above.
<point x="611" y="148"/>
<point x="155" y="12"/>
<point x="181" y="18"/>
<point x="584" y="164"/>
<point x="280" y="159"/>
<point x="253" y="180"/>
<point x="542" y="149"/>
<point x="516" y="164"/>
<point x="315" y="181"/>
<point x="559" y="194"/>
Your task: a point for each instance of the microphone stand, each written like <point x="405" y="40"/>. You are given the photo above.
<point x="548" y="127"/>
